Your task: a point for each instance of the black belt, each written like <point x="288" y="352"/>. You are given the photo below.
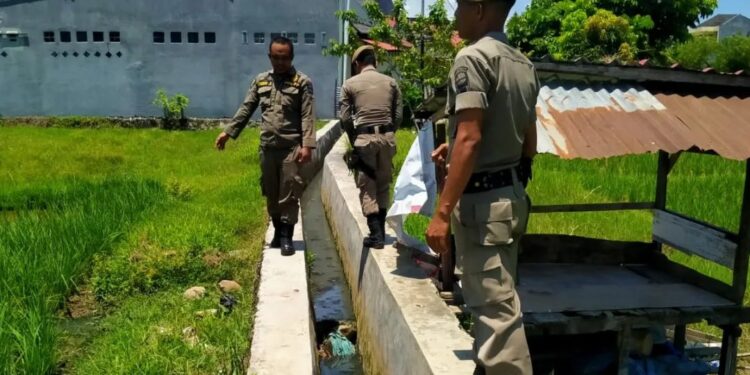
<point x="485" y="181"/>
<point x="376" y="129"/>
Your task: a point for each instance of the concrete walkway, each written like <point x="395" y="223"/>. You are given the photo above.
<point x="283" y="332"/>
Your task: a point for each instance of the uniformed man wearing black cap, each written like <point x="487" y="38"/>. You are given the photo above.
<point x="371" y="107"/>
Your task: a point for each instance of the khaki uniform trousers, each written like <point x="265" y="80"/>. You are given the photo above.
<point x="377" y="151"/>
<point x="281" y="183"/>
<point x="487" y="227"/>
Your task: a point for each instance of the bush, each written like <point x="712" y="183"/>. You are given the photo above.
<point x="729" y="55"/>
<point x="173" y="108"/>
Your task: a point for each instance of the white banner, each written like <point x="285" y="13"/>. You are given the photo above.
<point x="416" y="189"/>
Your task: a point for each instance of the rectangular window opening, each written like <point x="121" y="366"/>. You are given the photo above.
<point x="192" y="37"/>
<point x="114" y="36"/>
<point x="65" y="36"/>
<point x="49" y="36"/>
<point x="158" y="37"/>
<point x="209" y="37"/>
<point x="175" y="37"/>
<point x="98" y="36"/>
<point x="309" y="38"/>
<point x="82" y="36"/>
<point x="259" y="38"/>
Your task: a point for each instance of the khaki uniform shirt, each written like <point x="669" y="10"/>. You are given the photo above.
<point x="287" y="107"/>
<point x="371" y="99"/>
<point x="497" y="78"/>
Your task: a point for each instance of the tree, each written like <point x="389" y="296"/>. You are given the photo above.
<point x="412" y="66"/>
<point x="604" y="29"/>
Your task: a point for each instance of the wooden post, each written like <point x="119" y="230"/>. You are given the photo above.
<point x="662" y="174"/>
<point x="729" y="341"/>
<point x="623" y="344"/>
<point x="739" y="280"/>
<point x="446" y="260"/>
<point x="680" y="331"/>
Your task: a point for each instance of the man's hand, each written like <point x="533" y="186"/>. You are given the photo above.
<point x="438" y="233"/>
<point x="304" y="155"/>
<point x="439" y="155"/>
<point x="221" y="141"/>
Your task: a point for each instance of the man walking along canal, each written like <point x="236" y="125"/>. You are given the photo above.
<point x="491" y="103"/>
<point x="370" y="111"/>
<point x="287" y="136"/>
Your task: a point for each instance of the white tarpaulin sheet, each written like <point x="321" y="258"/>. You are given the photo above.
<point x="416" y="188"/>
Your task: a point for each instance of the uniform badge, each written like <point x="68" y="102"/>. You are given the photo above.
<point x="461" y="79"/>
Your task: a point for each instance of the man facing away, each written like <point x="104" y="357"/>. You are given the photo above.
<point x="371" y="109"/>
<point x="491" y="103"/>
<point x="287" y="136"/>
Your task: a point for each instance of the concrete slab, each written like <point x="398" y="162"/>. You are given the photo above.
<point x="283" y="332"/>
<point x="403" y="325"/>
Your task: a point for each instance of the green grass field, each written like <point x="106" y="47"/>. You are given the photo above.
<point x="110" y="226"/>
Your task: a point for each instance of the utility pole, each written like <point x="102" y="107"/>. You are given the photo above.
<point x="421" y="55"/>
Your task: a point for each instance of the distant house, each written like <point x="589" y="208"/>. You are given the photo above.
<point x="724" y="25"/>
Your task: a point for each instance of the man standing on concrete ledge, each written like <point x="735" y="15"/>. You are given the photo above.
<point x="371" y="109"/>
<point x="491" y="103"/>
<point x="287" y="136"/>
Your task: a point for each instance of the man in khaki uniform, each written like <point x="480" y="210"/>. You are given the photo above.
<point x="371" y="105"/>
<point x="491" y="103"/>
<point x="287" y="136"/>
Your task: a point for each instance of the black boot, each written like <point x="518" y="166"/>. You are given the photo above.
<point x="375" y="239"/>
<point x="276" y="233"/>
<point x="286" y="240"/>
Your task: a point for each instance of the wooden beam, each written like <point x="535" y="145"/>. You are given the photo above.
<point x="739" y="281"/>
<point x="694" y="238"/>
<point x="559" y="248"/>
<point x="694" y="277"/>
<point x="592" y="207"/>
<point x="639" y="74"/>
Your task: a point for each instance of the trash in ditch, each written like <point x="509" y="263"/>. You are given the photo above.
<point x="227" y="303"/>
<point x="335" y="340"/>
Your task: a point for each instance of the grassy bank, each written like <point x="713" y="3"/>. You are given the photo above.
<point x="102" y="230"/>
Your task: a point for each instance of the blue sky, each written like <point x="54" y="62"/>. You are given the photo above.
<point x="725" y="6"/>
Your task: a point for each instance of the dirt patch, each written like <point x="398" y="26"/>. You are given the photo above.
<point x="82" y="305"/>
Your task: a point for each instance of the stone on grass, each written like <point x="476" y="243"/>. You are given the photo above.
<point x="229" y="286"/>
<point x="190" y="336"/>
<point x="196" y="292"/>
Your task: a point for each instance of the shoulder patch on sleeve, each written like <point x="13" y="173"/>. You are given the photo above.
<point x="461" y="79"/>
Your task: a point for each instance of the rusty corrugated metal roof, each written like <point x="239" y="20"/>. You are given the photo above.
<point x="597" y="121"/>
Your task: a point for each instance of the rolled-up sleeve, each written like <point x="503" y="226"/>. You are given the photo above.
<point x="471" y="82"/>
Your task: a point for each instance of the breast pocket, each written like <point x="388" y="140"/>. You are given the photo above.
<point x="290" y="97"/>
<point x="264" y="97"/>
